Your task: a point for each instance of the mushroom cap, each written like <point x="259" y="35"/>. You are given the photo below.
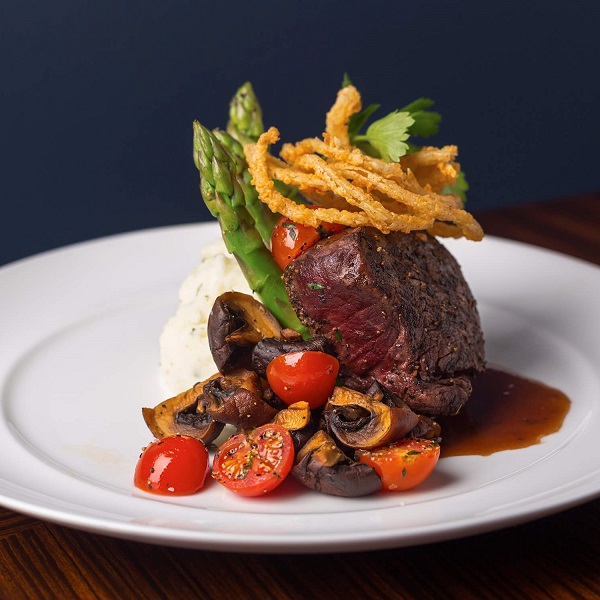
<point x="322" y="466"/>
<point x="359" y="421"/>
<point x="236" y="323"/>
<point x="180" y="414"/>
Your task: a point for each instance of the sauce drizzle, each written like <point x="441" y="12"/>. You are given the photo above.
<point x="504" y="412"/>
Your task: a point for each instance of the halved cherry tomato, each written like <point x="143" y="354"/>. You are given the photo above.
<point x="404" y="464"/>
<point x="175" y="465"/>
<point x="303" y="376"/>
<point x="290" y="239"/>
<point x="255" y="463"/>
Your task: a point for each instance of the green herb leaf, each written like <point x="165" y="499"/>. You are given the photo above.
<point x="427" y="122"/>
<point x="315" y="286"/>
<point x="358" y="120"/>
<point x="388" y="135"/>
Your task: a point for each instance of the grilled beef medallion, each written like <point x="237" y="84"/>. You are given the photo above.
<point x="397" y="310"/>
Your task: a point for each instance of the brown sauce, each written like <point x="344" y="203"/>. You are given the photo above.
<point x="504" y="412"/>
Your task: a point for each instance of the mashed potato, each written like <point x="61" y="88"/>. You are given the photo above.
<point x="185" y="356"/>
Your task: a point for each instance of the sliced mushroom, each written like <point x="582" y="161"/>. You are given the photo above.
<point x="269" y="348"/>
<point x="426" y="427"/>
<point x="359" y="421"/>
<point x="322" y="466"/>
<point x="237" y="399"/>
<point x="294" y="417"/>
<point x="180" y="415"/>
<point x="236" y="323"/>
<point x="300" y="421"/>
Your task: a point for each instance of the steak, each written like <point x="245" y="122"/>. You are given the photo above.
<point x="397" y="311"/>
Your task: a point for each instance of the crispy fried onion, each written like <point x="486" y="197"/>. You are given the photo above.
<point x="346" y="186"/>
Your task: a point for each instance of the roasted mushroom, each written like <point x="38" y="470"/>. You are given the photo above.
<point x="426" y="427"/>
<point x="269" y="348"/>
<point x="180" y="415"/>
<point x="300" y="421"/>
<point x="295" y="416"/>
<point x="236" y="323"/>
<point x="359" y="421"/>
<point x="237" y="399"/>
<point x="322" y="466"/>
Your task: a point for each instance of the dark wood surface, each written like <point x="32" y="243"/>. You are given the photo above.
<point x="553" y="557"/>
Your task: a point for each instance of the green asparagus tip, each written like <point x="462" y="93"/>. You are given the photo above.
<point x="245" y="115"/>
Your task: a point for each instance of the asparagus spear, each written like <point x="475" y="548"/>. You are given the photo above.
<point x="264" y="219"/>
<point x="245" y="116"/>
<point x="246" y="125"/>
<point x="221" y="185"/>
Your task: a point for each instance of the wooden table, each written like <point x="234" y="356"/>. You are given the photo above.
<point x="554" y="557"/>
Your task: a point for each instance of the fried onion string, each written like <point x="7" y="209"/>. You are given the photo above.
<point x="348" y="187"/>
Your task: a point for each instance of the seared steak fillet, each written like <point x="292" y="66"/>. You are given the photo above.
<point x="397" y="310"/>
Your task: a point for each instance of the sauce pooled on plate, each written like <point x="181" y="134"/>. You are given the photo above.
<point x="504" y="412"/>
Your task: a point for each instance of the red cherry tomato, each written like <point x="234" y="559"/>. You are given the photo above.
<point x="404" y="464"/>
<point x="256" y="463"/>
<point x="176" y="465"/>
<point x="327" y="229"/>
<point x="290" y="239"/>
<point x="303" y="376"/>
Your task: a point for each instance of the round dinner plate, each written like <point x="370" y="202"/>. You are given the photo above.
<point x="79" y="358"/>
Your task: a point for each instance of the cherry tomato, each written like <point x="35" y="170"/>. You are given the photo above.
<point x="255" y="463"/>
<point x="175" y="465"/>
<point x="303" y="376"/>
<point x="290" y="239"/>
<point x="404" y="464"/>
<point x="327" y="229"/>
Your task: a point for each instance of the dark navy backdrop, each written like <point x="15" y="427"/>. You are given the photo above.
<point x="97" y="98"/>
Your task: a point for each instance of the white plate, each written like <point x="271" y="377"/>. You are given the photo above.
<point x="79" y="358"/>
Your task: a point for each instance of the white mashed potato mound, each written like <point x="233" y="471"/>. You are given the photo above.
<point x="185" y="356"/>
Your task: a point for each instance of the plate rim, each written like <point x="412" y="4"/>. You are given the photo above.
<point x="166" y="536"/>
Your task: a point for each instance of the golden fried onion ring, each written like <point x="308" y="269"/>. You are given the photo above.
<point x="351" y="188"/>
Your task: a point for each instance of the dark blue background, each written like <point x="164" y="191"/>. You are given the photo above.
<point x="97" y="98"/>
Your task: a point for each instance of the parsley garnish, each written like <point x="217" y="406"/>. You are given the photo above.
<point x="426" y="122"/>
<point x="315" y="286"/>
<point x="388" y="137"/>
